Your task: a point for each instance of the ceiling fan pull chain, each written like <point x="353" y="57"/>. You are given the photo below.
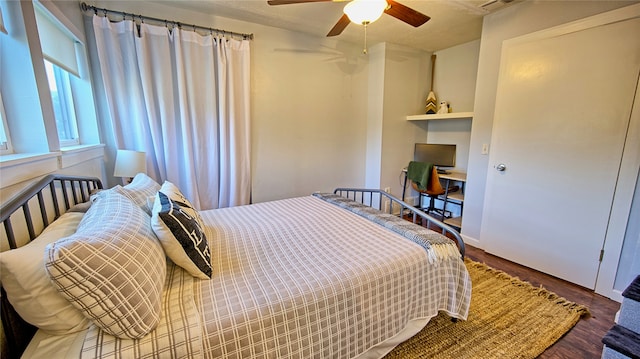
<point x="365" y="37"/>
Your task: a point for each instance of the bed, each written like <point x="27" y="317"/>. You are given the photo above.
<point x="135" y="271"/>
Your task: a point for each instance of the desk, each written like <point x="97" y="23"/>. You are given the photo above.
<point x="454" y="197"/>
<point x="449" y="179"/>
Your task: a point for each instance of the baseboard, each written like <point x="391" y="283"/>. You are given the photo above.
<point x="472" y="242"/>
<point x="411" y="200"/>
<point x="616" y="295"/>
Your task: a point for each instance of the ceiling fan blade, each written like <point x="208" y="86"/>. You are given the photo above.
<point x="406" y="14"/>
<point x="286" y="2"/>
<point x="339" y="26"/>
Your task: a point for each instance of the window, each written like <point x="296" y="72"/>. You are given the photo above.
<point x="5" y="144"/>
<point x="59" y="50"/>
<point x="63" y="104"/>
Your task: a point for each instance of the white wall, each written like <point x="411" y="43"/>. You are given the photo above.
<point x="406" y="86"/>
<point x="398" y="84"/>
<point x="308" y="114"/>
<point x="455" y="82"/>
<point x="516" y="20"/>
<point x="375" y="116"/>
<point x="455" y="74"/>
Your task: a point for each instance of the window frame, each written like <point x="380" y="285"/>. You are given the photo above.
<point x="62" y="80"/>
<point x="5" y="146"/>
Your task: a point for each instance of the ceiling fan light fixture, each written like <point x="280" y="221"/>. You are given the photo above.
<point x="365" y="11"/>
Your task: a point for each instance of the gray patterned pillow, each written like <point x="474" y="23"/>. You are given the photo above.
<point x="139" y="190"/>
<point x="180" y="230"/>
<point x="113" y="268"/>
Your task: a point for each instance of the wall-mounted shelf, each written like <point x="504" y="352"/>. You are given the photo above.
<point x="441" y="116"/>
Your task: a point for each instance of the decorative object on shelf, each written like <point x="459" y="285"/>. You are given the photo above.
<point x="431" y="103"/>
<point x="431" y="99"/>
<point x="444" y="107"/>
<point x="129" y="164"/>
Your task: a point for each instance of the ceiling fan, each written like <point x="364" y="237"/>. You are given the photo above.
<point x="365" y="12"/>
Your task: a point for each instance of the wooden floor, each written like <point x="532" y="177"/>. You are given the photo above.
<point x="584" y="340"/>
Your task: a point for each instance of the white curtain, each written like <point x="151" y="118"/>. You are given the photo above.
<point x="183" y="99"/>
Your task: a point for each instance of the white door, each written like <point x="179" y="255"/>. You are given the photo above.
<point x="562" y="111"/>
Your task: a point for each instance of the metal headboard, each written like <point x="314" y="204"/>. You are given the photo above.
<point x="386" y="202"/>
<point x="55" y="192"/>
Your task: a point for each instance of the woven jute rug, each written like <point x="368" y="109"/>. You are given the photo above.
<point x="508" y="318"/>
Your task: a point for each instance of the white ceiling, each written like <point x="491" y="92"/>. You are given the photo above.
<point x="453" y="22"/>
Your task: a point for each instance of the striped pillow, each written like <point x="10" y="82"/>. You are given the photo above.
<point x="113" y="268"/>
<point x="139" y="190"/>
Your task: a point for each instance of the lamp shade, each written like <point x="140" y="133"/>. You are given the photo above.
<point x="130" y="163"/>
<point x="365" y="11"/>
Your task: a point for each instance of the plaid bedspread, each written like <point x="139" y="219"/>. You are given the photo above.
<point x="438" y="247"/>
<point x="299" y="278"/>
<point x="302" y="278"/>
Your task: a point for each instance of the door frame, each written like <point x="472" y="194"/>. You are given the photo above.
<point x="628" y="173"/>
<point x="621" y="207"/>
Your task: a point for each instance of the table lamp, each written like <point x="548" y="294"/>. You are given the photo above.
<point x="128" y="164"/>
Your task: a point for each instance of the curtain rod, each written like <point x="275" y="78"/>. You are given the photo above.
<point x="85" y="7"/>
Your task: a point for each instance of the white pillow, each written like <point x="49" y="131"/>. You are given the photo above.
<point x="180" y="230"/>
<point x="28" y="287"/>
<point x="113" y="268"/>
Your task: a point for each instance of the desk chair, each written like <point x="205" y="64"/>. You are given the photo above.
<point x="432" y="197"/>
<point x="432" y="190"/>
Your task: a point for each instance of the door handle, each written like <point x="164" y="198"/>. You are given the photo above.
<point x="501" y="167"/>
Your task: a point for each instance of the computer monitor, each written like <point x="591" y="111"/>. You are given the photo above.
<point x="437" y="154"/>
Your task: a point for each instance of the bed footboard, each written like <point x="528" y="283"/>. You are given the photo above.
<point x="388" y="203"/>
<point x="51" y="197"/>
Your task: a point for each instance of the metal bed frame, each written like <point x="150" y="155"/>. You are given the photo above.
<point x="385" y="202"/>
<point x="57" y="191"/>
<point x="56" y="194"/>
